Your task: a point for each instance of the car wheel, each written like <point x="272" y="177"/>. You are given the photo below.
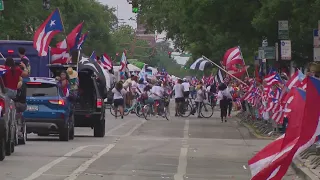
<point x="99" y="129"/>
<point x="23" y="139"/>
<point x="71" y="132"/>
<point x="2" y="148"/>
<point x="64" y="133"/>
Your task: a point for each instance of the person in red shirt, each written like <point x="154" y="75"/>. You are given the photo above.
<point x="12" y="76"/>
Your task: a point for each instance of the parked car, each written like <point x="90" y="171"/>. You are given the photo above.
<point x="89" y="108"/>
<point x="7" y="124"/>
<point x="48" y="110"/>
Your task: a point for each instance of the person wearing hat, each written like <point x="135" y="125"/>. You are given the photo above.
<point x="73" y="81"/>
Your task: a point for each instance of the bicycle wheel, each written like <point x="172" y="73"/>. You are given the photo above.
<point x="185" y="110"/>
<point x="126" y="111"/>
<point x="112" y="111"/>
<point x="166" y="113"/>
<point x="206" y="110"/>
<point x="146" y="111"/>
<point x="139" y="111"/>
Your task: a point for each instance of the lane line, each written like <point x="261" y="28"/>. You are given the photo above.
<point x="48" y="166"/>
<point x="117" y="127"/>
<point x="183" y="162"/>
<point x="134" y="128"/>
<point x="83" y="167"/>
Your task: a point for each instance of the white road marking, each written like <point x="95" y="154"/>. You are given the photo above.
<point x="244" y="167"/>
<point x="182" y="166"/>
<point x="134" y="128"/>
<point x="48" y="166"/>
<point x="116" y="128"/>
<point x="74" y="175"/>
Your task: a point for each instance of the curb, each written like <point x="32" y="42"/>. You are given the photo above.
<point x="303" y="171"/>
<point x="253" y="131"/>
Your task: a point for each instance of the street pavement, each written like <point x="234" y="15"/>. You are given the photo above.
<point x="135" y="149"/>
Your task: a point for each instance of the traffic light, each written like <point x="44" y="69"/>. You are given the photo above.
<point x="135" y="6"/>
<point x="46" y="4"/>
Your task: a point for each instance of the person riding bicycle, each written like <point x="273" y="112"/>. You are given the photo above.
<point x="199" y="99"/>
<point x="157" y="94"/>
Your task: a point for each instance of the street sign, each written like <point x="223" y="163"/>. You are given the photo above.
<point x="1" y="5"/>
<point x="283" y="30"/>
<point x="261" y="53"/>
<point x="268" y="52"/>
<point x="316" y="54"/>
<point x="285" y="49"/>
<point x="264" y="43"/>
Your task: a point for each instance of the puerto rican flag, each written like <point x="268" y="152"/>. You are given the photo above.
<point x="50" y="27"/>
<point x="59" y="56"/>
<point x="93" y="56"/>
<point x="261" y="165"/>
<point x="123" y="62"/>
<point x="309" y="130"/>
<point x="232" y="57"/>
<point x="81" y="40"/>
<point x="106" y="62"/>
<point x="272" y="79"/>
<point x="71" y="42"/>
<point x="296" y="78"/>
<point x="2" y="71"/>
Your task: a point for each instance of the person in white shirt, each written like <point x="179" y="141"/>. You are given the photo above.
<point x="199" y="99"/>
<point x="118" y="98"/>
<point x="223" y="98"/>
<point x="157" y="94"/>
<point x="178" y="95"/>
<point x="231" y="91"/>
<point x="186" y="88"/>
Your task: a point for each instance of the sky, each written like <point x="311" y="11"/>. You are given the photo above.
<point x="125" y="12"/>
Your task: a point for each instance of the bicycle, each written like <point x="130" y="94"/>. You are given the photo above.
<point x="190" y="107"/>
<point x="137" y="108"/>
<point x="164" y="110"/>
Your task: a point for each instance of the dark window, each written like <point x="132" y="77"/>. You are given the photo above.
<point x="43" y="89"/>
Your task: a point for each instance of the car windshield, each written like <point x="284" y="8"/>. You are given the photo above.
<point x="43" y="89"/>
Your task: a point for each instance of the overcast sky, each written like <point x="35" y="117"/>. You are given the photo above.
<point x="125" y="13"/>
<point x="124" y="10"/>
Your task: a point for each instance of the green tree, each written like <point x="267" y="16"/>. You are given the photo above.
<point x="20" y="19"/>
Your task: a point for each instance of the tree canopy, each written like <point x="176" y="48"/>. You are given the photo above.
<point x="210" y="27"/>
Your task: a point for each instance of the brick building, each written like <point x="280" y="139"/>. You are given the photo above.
<point x="141" y="33"/>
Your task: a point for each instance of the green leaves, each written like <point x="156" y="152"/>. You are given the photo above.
<point x="210" y="27"/>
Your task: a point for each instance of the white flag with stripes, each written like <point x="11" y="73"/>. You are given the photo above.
<point x="200" y="64"/>
<point x="218" y="78"/>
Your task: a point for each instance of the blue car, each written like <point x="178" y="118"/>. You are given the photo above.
<point x="48" y="110"/>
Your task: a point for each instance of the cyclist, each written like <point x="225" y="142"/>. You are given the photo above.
<point x="199" y="99"/>
<point x="157" y="94"/>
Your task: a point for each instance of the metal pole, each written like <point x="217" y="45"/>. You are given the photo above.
<point x="225" y="70"/>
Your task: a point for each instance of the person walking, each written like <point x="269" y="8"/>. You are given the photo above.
<point x="223" y="96"/>
<point x="118" y="98"/>
<point x="230" y="101"/>
<point x="186" y="88"/>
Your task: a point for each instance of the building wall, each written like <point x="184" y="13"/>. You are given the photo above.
<point x="141" y="33"/>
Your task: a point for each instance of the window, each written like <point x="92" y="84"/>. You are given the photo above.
<point x="42" y="89"/>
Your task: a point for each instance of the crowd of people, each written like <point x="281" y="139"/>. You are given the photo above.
<point x="125" y="94"/>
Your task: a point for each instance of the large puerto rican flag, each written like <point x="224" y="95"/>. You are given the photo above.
<point x="71" y="42"/>
<point x="232" y="57"/>
<point x="50" y="27"/>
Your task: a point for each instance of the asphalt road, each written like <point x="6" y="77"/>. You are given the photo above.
<point x="134" y="149"/>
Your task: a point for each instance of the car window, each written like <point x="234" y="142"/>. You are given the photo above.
<point x="42" y="89"/>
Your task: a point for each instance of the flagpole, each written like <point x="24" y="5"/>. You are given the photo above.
<point x="224" y="70"/>
<point x="2" y="56"/>
<point x="243" y="60"/>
